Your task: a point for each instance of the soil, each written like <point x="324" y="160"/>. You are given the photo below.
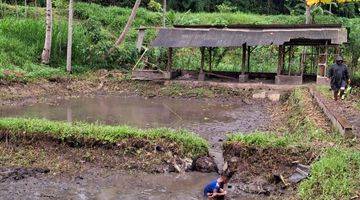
<point x="66" y="157"/>
<point x="260" y="170"/>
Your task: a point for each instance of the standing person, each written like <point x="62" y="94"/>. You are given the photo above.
<point x="339" y="76"/>
<point x="215" y="189"/>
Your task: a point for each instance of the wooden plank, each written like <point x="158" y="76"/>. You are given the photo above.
<point x="140" y="39"/>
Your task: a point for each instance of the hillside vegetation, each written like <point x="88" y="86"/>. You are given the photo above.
<point x="97" y="27"/>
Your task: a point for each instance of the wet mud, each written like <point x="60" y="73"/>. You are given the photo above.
<point x="210" y="118"/>
<point x="268" y="172"/>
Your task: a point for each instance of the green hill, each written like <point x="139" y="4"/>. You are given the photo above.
<point x="96" y="29"/>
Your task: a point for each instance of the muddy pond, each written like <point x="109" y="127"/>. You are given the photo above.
<point x="211" y="119"/>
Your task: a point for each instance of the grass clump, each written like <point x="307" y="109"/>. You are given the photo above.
<point x="191" y="144"/>
<point x="335" y="176"/>
<point x="259" y="139"/>
<point x="325" y="90"/>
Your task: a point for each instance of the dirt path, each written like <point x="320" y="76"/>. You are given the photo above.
<point x="345" y="108"/>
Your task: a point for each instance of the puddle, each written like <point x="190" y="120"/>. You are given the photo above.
<point x="211" y="119"/>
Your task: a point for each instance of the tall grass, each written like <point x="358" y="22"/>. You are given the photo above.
<point x="192" y="145"/>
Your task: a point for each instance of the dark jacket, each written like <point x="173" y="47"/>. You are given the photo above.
<point x="339" y="75"/>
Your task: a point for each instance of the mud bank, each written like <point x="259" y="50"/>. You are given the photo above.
<point x="266" y="171"/>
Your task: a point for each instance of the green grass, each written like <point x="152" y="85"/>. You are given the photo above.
<point x="325" y="90"/>
<point x="259" y="139"/>
<point x="192" y="145"/>
<point x="97" y="27"/>
<point x="29" y="72"/>
<point x="334" y="176"/>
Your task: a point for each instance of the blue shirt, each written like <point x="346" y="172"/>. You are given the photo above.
<point x="211" y="187"/>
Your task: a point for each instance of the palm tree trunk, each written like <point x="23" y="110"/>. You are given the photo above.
<point x="70" y="32"/>
<point x="45" y="56"/>
<point x="121" y="38"/>
<point x="308" y="18"/>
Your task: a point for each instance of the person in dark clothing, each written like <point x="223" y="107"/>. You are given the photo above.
<point x="339" y="77"/>
<point x="215" y="189"/>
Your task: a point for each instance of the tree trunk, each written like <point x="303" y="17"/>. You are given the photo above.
<point x="36" y="10"/>
<point x="70" y="33"/>
<point x="25" y="4"/>
<point x="45" y="56"/>
<point x="308" y="18"/>
<point x="354" y="64"/>
<point x="268" y="6"/>
<point x="164" y="10"/>
<point x="121" y="39"/>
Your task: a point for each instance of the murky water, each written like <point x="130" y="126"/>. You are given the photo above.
<point x="211" y="119"/>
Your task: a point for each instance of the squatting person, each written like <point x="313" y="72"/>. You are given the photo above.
<point x="339" y="77"/>
<point x="215" y="189"/>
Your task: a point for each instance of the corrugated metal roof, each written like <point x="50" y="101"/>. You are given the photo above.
<point x="235" y="37"/>
<point x="262" y="26"/>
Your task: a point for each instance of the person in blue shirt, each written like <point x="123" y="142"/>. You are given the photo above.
<point x="215" y="189"/>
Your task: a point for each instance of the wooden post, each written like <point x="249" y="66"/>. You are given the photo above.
<point x="280" y="59"/>
<point x="248" y="58"/>
<point x="202" y="59"/>
<point x="289" y="64"/>
<point x="169" y="61"/>
<point x="210" y="59"/>
<point x="202" y="74"/>
<point x="243" y="59"/>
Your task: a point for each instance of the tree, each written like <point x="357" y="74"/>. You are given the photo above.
<point x="45" y="56"/>
<point x="313" y="2"/>
<point x="121" y="38"/>
<point x="70" y="32"/>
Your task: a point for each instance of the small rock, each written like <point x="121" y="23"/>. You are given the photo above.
<point x="275" y="97"/>
<point x="159" y="148"/>
<point x="205" y="164"/>
<point x="261" y="95"/>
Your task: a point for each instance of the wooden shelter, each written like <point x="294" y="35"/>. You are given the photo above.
<point x="321" y="36"/>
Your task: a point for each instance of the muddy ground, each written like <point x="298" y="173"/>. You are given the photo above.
<point x="268" y="172"/>
<point x="49" y="171"/>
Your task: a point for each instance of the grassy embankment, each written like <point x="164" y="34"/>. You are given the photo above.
<point x="336" y="174"/>
<point x="96" y="29"/>
<point x="82" y="133"/>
